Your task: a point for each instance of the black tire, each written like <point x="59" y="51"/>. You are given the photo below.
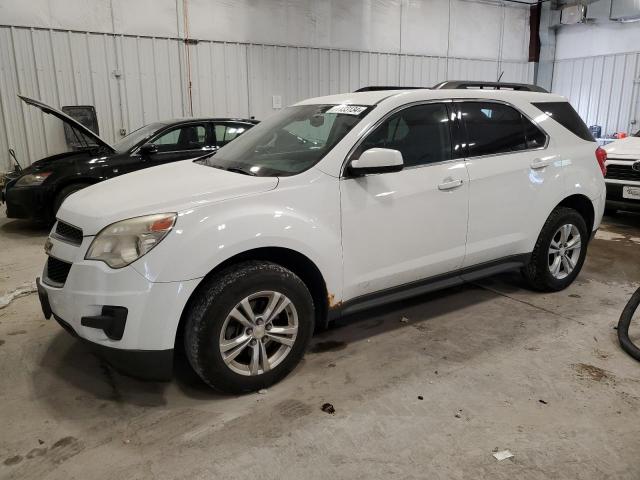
<point x="624" y="323"/>
<point x="206" y="315"/>
<point x="63" y="194"/>
<point x="537" y="271"/>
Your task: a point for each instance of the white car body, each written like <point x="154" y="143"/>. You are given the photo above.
<point x="364" y="235"/>
<point x="623" y="174"/>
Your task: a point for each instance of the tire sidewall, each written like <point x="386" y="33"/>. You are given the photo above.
<point x="211" y="365"/>
<point x="543" y="265"/>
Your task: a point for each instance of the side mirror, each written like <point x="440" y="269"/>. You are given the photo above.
<point x="377" y="160"/>
<point x="148" y="149"/>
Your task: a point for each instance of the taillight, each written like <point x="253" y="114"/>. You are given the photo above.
<point x="601" y="156"/>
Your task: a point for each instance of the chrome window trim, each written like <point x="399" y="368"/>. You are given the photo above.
<point x="446" y="101"/>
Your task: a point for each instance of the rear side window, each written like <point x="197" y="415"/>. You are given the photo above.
<point x="494" y="128"/>
<point x="420" y="133"/>
<point x="227" y="132"/>
<point x="565" y="115"/>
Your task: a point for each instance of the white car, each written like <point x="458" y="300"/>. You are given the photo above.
<point x="330" y="206"/>
<point x="623" y="174"/>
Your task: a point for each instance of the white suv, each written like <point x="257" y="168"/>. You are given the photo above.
<point x="330" y="206"/>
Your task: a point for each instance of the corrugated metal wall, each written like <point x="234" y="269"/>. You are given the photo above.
<point x="135" y="80"/>
<point x="603" y="89"/>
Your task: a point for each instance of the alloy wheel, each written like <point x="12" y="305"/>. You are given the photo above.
<point x="258" y="333"/>
<point x="564" y="251"/>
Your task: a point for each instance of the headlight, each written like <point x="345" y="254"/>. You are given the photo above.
<point x="124" y="242"/>
<point x="32" y="179"/>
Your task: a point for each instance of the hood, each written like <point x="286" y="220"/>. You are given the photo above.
<point x="56" y="161"/>
<point x="174" y="187"/>
<point x="66" y="119"/>
<point x="625" y="147"/>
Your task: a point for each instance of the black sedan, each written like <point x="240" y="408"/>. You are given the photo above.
<point x="38" y="191"/>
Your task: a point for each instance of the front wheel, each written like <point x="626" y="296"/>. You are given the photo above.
<point x="249" y="327"/>
<point x="559" y="253"/>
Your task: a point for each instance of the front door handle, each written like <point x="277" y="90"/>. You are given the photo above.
<point x="538" y="163"/>
<point x="449" y="184"/>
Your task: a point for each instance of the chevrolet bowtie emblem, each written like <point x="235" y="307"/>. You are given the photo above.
<point x="48" y="246"/>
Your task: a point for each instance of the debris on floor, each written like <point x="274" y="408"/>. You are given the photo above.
<point x="21" y="291"/>
<point x="404" y="320"/>
<point x="262" y="391"/>
<point x="590" y="372"/>
<point x="503" y="455"/>
<point x="420" y="397"/>
<point x="458" y="413"/>
<point x="544" y="402"/>
<point x="328" y="408"/>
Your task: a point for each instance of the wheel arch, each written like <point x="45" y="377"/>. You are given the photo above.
<point x="293" y="260"/>
<point x="583" y="205"/>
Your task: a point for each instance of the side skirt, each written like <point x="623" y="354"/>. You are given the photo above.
<point x="431" y="284"/>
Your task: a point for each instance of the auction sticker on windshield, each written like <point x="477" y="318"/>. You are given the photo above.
<point x="347" y="109"/>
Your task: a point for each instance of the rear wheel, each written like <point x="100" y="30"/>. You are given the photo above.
<point x="249" y="327"/>
<point x="560" y="251"/>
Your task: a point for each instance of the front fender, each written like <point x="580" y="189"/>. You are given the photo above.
<point x="301" y="214"/>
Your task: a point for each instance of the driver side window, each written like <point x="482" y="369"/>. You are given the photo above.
<point x="187" y="137"/>
<point x="420" y="133"/>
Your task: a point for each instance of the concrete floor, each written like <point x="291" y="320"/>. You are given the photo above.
<point x="497" y="367"/>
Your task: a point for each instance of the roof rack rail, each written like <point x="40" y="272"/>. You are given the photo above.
<point x="375" y="88"/>
<point x="465" y="84"/>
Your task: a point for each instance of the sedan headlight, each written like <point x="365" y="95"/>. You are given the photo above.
<point x="32" y="179"/>
<point x="124" y="242"/>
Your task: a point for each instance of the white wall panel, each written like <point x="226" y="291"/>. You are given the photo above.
<point x="134" y="80"/>
<point x="602" y="89"/>
<point x="468" y="28"/>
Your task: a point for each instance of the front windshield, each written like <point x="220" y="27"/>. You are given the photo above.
<point x="289" y="142"/>
<point x="136" y="137"/>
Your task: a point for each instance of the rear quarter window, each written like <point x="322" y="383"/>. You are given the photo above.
<point x="565" y="115"/>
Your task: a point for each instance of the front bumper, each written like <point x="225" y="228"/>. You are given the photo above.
<point x="615" y="199"/>
<point x="131" y="321"/>
<point x="144" y="364"/>
<point x="27" y="202"/>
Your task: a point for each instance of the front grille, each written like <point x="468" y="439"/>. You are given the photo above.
<point x="57" y="272"/>
<point x="622" y="172"/>
<point x="68" y="233"/>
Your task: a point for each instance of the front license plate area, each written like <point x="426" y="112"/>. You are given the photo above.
<point x="632" y="193"/>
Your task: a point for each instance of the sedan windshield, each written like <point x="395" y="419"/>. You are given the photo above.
<point x="290" y="141"/>
<point x="137" y="136"/>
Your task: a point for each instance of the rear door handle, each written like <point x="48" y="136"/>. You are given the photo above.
<point x="540" y="163"/>
<point x="450" y="184"/>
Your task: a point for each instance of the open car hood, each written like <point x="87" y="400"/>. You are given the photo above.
<point x="74" y="124"/>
